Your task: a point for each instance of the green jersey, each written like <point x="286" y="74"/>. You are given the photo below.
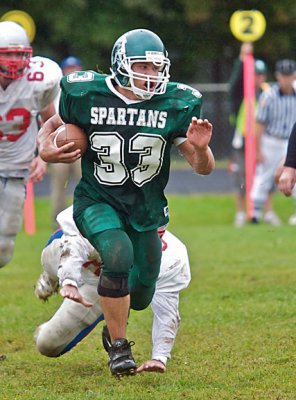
<point x="128" y="158"/>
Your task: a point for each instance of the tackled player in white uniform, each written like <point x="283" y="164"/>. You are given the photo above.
<point x="69" y="261"/>
<point x="28" y="87"/>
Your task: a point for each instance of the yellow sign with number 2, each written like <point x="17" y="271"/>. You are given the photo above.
<point x="247" y="25"/>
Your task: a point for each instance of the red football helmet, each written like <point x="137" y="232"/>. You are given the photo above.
<point x="15" y="50"/>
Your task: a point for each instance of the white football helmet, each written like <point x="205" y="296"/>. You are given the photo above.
<point x="15" y="50"/>
<point x="140" y="45"/>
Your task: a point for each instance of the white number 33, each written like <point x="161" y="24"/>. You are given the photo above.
<point x="111" y="168"/>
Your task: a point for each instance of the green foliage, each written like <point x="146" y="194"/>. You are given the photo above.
<point x="237" y="335"/>
<point x="196" y="33"/>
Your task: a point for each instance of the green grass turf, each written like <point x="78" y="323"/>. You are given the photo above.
<point x="237" y="335"/>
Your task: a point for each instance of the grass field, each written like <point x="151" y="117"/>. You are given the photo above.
<point x="237" y="336"/>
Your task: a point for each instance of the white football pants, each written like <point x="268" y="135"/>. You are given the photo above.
<point x="274" y="151"/>
<point x="12" y="198"/>
<point x="72" y="321"/>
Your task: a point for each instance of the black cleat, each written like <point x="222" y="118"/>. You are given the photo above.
<point x="106" y="339"/>
<point x="121" y="361"/>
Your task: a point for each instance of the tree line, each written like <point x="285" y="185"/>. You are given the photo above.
<point x="195" y="32"/>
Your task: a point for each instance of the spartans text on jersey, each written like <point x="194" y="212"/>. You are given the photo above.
<point x="130" y="116"/>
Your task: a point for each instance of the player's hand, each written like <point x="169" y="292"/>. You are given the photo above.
<point x="152" y="366"/>
<point x="47" y="149"/>
<point x="199" y="133"/>
<point x="37" y="170"/>
<point x="287" y="181"/>
<point x="52" y="154"/>
<point x="278" y="173"/>
<point x="72" y="293"/>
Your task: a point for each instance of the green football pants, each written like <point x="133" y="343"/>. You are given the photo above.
<point x="124" y="251"/>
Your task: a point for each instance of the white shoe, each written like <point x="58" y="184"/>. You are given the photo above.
<point x="239" y="219"/>
<point x="45" y="286"/>
<point x="292" y="219"/>
<point x="272" y="219"/>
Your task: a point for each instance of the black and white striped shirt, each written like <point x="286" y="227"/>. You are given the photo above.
<point x="277" y="111"/>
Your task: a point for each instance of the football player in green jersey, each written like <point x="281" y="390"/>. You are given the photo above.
<point x="131" y="118"/>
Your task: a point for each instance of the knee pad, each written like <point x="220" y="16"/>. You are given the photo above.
<point x="113" y="287"/>
<point x="6" y="251"/>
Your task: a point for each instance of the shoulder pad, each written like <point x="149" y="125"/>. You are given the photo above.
<point x="44" y="76"/>
<point x="183" y="91"/>
<point x="51" y="72"/>
<point x="189" y="90"/>
<point x="81" y="82"/>
<point x="183" y="95"/>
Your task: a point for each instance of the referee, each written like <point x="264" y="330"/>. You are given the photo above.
<point x="275" y="117"/>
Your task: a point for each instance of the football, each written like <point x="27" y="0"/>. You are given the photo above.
<point x="71" y="133"/>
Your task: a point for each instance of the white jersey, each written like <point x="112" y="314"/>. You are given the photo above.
<point x="20" y="104"/>
<point x="174" y="270"/>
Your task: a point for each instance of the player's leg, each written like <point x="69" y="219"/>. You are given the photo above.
<point x="273" y="151"/>
<point x="270" y="216"/>
<point x="69" y="325"/>
<point x="239" y="187"/>
<point x="12" y="198"/>
<point x="104" y="228"/>
<point x="114" y="296"/>
<point x="143" y="276"/>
